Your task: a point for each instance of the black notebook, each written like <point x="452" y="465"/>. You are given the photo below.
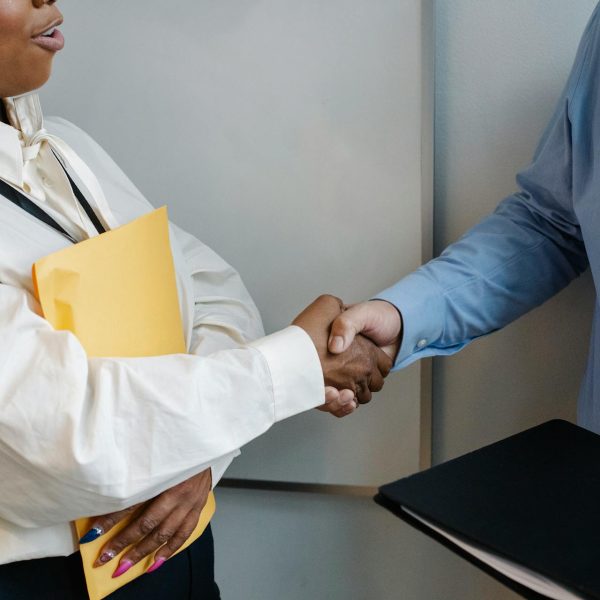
<point x="526" y="510"/>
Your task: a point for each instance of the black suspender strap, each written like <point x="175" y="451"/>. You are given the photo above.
<point x="89" y="211"/>
<point x="22" y="201"/>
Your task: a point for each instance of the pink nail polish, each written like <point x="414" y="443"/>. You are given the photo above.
<point x="123" y="567"/>
<point x="157" y="564"/>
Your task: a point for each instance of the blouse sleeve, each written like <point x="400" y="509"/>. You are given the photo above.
<point x="83" y="436"/>
<point x="225" y="316"/>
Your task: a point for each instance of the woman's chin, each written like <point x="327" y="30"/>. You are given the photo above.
<point x="24" y="87"/>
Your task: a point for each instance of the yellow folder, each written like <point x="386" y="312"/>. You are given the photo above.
<point x="117" y="293"/>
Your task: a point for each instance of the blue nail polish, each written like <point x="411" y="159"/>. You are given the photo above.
<point x="93" y="534"/>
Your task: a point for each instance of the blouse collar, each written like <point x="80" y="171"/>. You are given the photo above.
<point x="25" y="120"/>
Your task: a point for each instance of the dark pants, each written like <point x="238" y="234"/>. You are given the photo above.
<point x="187" y="576"/>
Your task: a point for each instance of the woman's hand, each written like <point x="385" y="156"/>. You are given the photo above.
<point x="164" y="522"/>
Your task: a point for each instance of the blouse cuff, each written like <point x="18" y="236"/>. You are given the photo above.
<point x="296" y="372"/>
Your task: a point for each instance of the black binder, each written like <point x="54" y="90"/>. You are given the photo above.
<point x="533" y="499"/>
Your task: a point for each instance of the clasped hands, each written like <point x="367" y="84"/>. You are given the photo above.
<point x="356" y="347"/>
<point x="355" y="350"/>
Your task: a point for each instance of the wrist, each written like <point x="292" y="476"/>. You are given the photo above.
<point x="390" y="315"/>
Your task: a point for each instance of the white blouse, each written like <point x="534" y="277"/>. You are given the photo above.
<point x="79" y="436"/>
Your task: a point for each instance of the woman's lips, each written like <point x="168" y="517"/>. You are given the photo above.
<point x="53" y="43"/>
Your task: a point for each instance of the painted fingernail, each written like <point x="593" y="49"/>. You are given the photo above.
<point x="123" y="567"/>
<point x="105" y="557"/>
<point x="157" y="564"/>
<point x="93" y="534"/>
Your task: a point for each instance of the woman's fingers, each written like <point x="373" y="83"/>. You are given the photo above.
<point x="376" y="382"/>
<point x="105" y="523"/>
<point x="175" y="527"/>
<point x="162" y="521"/>
<point x="363" y="393"/>
<point x="152" y="515"/>
<point x="176" y="541"/>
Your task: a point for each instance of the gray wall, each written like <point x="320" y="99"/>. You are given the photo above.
<point x="287" y="135"/>
<point x="275" y="130"/>
<point x="500" y="68"/>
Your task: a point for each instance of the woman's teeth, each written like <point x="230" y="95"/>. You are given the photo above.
<point x="49" y="32"/>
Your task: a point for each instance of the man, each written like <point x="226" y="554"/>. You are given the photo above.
<point x="533" y="245"/>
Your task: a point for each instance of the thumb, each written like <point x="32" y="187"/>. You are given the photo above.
<point x="346" y="327"/>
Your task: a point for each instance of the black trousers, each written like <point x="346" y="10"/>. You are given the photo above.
<point x="187" y="576"/>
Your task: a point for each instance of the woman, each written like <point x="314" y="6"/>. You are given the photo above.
<point x="68" y="444"/>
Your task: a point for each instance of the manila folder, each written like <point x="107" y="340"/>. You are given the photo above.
<point x="117" y="293"/>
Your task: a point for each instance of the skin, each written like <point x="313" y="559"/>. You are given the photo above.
<point x="378" y="320"/>
<point x="361" y="369"/>
<point x="24" y="65"/>
<point x="162" y="524"/>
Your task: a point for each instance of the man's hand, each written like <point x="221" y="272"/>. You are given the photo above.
<point x="339" y="403"/>
<point x="162" y="524"/>
<point x="361" y="368"/>
<point x="377" y="320"/>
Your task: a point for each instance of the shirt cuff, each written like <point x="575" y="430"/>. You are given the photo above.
<point x="421" y="304"/>
<point x="296" y="372"/>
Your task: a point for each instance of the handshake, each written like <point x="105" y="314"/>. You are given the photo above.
<point x="357" y="346"/>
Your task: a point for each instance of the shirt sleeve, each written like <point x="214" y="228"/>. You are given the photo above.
<point x="83" y="436"/>
<point x="525" y="252"/>
<point x="225" y="316"/>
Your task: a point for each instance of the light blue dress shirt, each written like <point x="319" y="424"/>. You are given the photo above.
<point x="535" y="243"/>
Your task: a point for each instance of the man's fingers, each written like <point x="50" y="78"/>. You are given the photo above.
<point x="339" y="403"/>
<point x="332" y="399"/>
<point x="348" y="404"/>
<point x="378" y="320"/>
<point x="344" y="330"/>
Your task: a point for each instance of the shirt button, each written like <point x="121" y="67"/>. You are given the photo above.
<point x="421" y="344"/>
